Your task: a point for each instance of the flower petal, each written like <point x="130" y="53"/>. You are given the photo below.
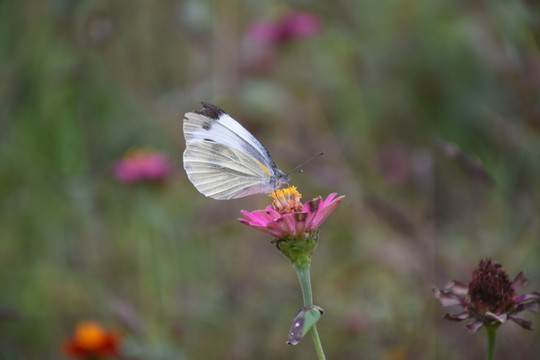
<point x="474" y="326"/>
<point x="266" y="229"/>
<point x="446" y="298"/>
<point x="286" y="223"/>
<point x="330" y="197"/>
<point x="457" y="317"/>
<point x="261" y="217"/>
<point x="457" y="287"/>
<point x="252" y="216"/>
<point x="526" y="297"/>
<point x="520" y="281"/>
<point x="530" y="306"/>
<point x="301" y="223"/>
<point x="499" y="317"/>
<point x="312" y="206"/>
<point x="526" y="324"/>
<point x="324" y="211"/>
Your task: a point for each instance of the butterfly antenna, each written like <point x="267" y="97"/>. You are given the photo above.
<point x="297" y="168"/>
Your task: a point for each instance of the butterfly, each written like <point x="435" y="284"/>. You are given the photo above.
<point x="225" y="161"/>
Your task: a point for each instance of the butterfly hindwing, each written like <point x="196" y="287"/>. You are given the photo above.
<point x="224" y="172"/>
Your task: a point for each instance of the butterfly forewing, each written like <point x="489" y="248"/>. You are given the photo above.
<point x="227" y="131"/>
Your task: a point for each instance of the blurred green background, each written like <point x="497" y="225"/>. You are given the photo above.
<point x="429" y="114"/>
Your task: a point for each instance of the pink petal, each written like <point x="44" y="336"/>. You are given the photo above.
<point x="154" y="166"/>
<point x="330" y="197"/>
<point x="309" y="219"/>
<point x="261" y="217"/>
<point x="286" y="223"/>
<point x="142" y="165"/>
<point x="279" y="227"/>
<point x="264" y="31"/>
<point x="312" y="206"/>
<point x="252" y="222"/>
<point x="324" y="212"/>
<point x="301" y="223"/>
<point x="266" y="229"/>
<point x="299" y="25"/>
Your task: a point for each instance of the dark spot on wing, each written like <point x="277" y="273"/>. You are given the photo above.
<point x="212" y="111"/>
<point x="209" y="140"/>
<point x="207" y="126"/>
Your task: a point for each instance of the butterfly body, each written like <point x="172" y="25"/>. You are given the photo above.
<point x="224" y="160"/>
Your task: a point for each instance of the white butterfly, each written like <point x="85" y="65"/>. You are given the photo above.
<point x="223" y="160"/>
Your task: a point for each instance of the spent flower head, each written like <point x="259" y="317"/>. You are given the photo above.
<point x="490" y="299"/>
<point x="91" y="341"/>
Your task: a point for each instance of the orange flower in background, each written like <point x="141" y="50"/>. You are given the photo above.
<point x="91" y="341"/>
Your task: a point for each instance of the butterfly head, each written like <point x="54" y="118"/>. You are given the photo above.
<point x="280" y="179"/>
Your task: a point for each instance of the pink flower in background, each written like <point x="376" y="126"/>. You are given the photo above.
<point x="288" y="217"/>
<point x="142" y="165"/>
<point x="293" y="25"/>
<point x="261" y="60"/>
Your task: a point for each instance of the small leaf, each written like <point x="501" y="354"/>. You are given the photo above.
<point x="303" y="321"/>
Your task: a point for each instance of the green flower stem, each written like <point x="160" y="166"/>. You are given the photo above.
<point x="491" y="332"/>
<point x="317" y="342"/>
<point x="302" y="270"/>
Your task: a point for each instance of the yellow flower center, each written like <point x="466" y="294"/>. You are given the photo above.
<point x="286" y="200"/>
<point x="90" y="335"/>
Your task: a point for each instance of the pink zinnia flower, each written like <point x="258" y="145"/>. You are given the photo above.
<point x="142" y="165"/>
<point x="295" y="228"/>
<point x="293" y="25"/>
<point x="288" y="217"/>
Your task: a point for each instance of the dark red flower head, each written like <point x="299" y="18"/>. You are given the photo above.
<point x="490" y="299"/>
<point x="490" y="288"/>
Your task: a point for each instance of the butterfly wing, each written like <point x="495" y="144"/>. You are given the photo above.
<point x="216" y="125"/>
<point x="224" y="172"/>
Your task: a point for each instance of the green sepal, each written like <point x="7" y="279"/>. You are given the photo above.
<point x="298" y="249"/>
<point x="303" y="321"/>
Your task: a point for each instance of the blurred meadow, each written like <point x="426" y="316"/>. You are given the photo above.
<point x="429" y="114"/>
